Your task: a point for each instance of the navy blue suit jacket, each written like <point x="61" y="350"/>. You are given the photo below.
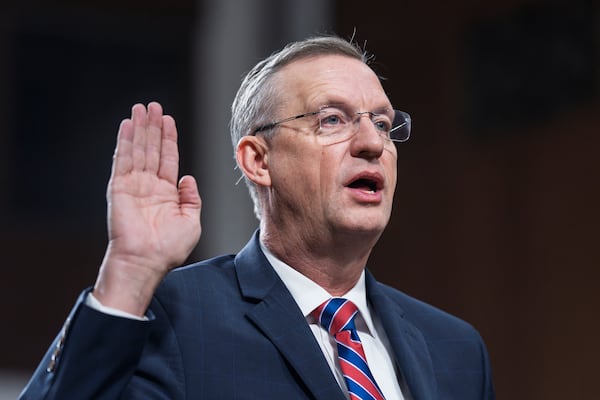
<point x="227" y="328"/>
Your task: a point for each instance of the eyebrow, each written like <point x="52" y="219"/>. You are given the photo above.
<point x="381" y="110"/>
<point x="344" y="104"/>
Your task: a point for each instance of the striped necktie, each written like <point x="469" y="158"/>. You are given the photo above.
<point x="336" y="315"/>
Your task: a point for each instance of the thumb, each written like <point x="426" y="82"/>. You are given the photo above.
<point x="189" y="197"/>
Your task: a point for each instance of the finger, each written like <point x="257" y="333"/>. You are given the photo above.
<point x="169" y="152"/>
<point x="122" y="159"/>
<point x="139" y="119"/>
<point x="153" y="137"/>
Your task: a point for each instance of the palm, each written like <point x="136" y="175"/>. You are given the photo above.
<point x="147" y="220"/>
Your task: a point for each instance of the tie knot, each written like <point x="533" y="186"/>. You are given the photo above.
<point x="336" y="315"/>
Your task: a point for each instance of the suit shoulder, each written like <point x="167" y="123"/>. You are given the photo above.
<point x="214" y="272"/>
<point x="216" y="266"/>
<point x="212" y="265"/>
<point x="429" y="317"/>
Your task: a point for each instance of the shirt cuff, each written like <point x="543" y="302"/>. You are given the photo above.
<point x="94" y="303"/>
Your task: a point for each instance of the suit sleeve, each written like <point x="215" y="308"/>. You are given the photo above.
<point x="98" y="356"/>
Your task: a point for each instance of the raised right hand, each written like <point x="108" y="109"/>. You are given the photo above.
<point x="153" y="220"/>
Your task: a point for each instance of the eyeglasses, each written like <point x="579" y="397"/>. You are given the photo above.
<point x="337" y="124"/>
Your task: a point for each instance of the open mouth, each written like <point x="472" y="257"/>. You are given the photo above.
<point x="365" y="184"/>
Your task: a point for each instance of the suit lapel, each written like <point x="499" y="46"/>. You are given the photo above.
<point x="277" y="315"/>
<point x="408" y="344"/>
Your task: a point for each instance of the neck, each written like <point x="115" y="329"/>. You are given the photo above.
<point x="335" y="264"/>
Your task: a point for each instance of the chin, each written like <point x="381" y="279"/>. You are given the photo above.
<point x="362" y="221"/>
<point x="366" y="226"/>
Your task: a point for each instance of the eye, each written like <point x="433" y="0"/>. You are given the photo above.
<point x="331" y="117"/>
<point x="382" y="124"/>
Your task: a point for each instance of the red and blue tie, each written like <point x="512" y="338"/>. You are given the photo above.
<point x="336" y="315"/>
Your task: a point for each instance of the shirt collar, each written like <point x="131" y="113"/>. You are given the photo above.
<point x="309" y="295"/>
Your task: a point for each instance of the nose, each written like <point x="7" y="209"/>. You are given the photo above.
<point x="366" y="142"/>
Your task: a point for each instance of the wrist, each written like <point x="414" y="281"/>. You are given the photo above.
<point x="92" y="302"/>
<point x="126" y="285"/>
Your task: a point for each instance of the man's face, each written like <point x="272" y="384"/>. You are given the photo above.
<point x="321" y="191"/>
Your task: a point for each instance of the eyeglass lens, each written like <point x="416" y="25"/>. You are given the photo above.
<point x="337" y="124"/>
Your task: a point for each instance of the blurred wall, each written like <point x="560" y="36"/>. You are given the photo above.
<point x="496" y="208"/>
<point x="496" y="212"/>
<point x="230" y="37"/>
<point x="68" y="74"/>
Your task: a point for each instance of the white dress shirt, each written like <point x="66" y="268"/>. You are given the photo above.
<point x="309" y="295"/>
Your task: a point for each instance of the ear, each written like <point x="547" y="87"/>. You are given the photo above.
<point x="252" y="157"/>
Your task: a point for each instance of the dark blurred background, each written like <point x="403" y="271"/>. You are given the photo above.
<point x="496" y="215"/>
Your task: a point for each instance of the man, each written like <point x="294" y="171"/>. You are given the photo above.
<point x="314" y="133"/>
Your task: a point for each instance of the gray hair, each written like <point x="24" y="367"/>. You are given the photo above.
<point x="256" y="101"/>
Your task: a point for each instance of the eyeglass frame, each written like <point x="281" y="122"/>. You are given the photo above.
<point x="404" y="115"/>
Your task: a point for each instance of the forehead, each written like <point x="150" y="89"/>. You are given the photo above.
<point x="326" y="79"/>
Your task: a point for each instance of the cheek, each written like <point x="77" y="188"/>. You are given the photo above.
<point x="391" y="175"/>
<point x="390" y="163"/>
<point x="330" y="163"/>
<point x="298" y="170"/>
